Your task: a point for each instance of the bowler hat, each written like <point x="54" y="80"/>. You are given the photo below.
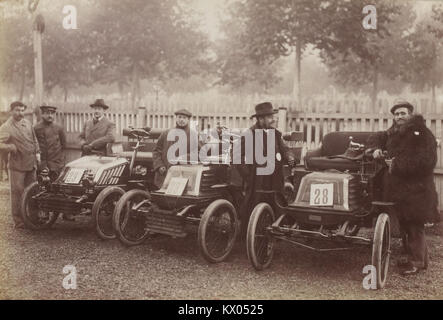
<point x="400" y="103"/>
<point x="99" y="103"/>
<point x="263" y="109"/>
<point x="45" y="106"/>
<point x="183" y="112"/>
<point x="17" y="104"/>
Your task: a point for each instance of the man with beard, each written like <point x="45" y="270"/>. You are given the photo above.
<point x="17" y="138"/>
<point x="252" y="179"/>
<point x="98" y="131"/>
<point x="160" y="153"/>
<point x="408" y="182"/>
<point x="52" y="140"/>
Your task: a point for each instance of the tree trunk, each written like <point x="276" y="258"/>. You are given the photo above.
<point x="22" y="83"/>
<point x="296" y="91"/>
<point x="135" y="85"/>
<point x="374" y="89"/>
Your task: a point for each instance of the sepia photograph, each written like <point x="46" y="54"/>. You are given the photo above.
<point x="221" y="154"/>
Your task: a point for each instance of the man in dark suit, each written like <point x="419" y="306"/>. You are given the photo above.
<point x="52" y="141"/>
<point x="253" y="180"/>
<point x="17" y="138"/>
<point x="98" y="131"/>
<point x="160" y="154"/>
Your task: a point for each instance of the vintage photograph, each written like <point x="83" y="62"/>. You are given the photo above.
<point x="214" y="150"/>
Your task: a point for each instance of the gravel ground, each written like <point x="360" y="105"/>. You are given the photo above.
<point x="31" y="265"/>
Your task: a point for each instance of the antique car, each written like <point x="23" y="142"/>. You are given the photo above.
<point x="337" y="195"/>
<point x="91" y="185"/>
<point x="194" y="198"/>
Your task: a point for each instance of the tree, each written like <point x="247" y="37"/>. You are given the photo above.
<point x="357" y="56"/>
<point x="236" y="67"/>
<point x="273" y="29"/>
<point x="146" y="40"/>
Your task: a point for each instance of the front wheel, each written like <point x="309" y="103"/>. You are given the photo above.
<point x="259" y="243"/>
<point x="130" y="224"/>
<point x="103" y="209"/>
<point x="381" y="248"/>
<point x="218" y="230"/>
<point x="33" y="217"/>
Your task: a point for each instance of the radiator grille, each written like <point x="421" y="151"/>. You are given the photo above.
<point x="111" y="176"/>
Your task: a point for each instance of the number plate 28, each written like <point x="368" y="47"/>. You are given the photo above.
<point x="321" y="194"/>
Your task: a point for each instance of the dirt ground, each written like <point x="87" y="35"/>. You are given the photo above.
<point x="31" y="267"/>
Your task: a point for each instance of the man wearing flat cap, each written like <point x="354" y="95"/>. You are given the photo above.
<point x="409" y="180"/>
<point x="17" y="137"/>
<point x="264" y="114"/>
<point x="160" y="153"/>
<point x="52" y="140"/>
<point x="98" y="131"/>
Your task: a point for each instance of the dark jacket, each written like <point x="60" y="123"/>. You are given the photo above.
<point x="52" y="140"/>
<point x="18" y="138"/>
<point x="160" y="153"/>
<point x="411" y="181"/>
<point x="254" y="182"/>
<point x="99" y="134"/>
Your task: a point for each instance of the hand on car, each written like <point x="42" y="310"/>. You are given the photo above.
<point x="86" y="148"/>
<point x="162" y="170"/>
<point x="377" y="154"/>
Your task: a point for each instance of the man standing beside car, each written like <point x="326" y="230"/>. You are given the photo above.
<point x="253" y="181"/>
<point x="98" y="131"/>
<point x="409" y="180"/>
<point x="17" y="138"/>
<point x="52" y="141"/>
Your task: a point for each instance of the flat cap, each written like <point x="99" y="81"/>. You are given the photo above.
<point x="17" y="104"/>
<point x="401" y="103"/>
<point x="183" y="112"/>
<point x="47" y="107"/>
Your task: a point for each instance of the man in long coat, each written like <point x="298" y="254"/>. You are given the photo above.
<point x="409" y="180"/>
<point x="17" y="138"/>
<point x="253" y="182"/>
<point x="52" y="141"/>
<point x="98" y="131"/>
<point x="160" y="153"/>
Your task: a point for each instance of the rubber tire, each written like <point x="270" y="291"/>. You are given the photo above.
<point x="97" y="204"/>
<point x="117" y="213"/>
<point x="377" y="248"/>
<point x="202" y="228"/>
<point x="258" y="211"/>
<point x="27" y="193"/>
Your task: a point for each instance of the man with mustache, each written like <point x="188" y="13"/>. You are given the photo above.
<point x="52" y="140"/>
<point x="160" y="153"/>
<point x="253" y="180"/>
<point x="409" y="180"/>
<point x="17" y="137"/>
<point x="98" y="131"/>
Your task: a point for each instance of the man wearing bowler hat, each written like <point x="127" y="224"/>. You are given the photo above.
<point x="409" y="180"/>
<point x="264" y="114"/>
<point x="52" y="140"/>
<point x="98" y="131"/>
<point x="17" y="137"/>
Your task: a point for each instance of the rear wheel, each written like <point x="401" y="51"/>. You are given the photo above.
<point x="218" y="230"/>
<point x="381" y="248"/>
<point x="103" y="209"/>
<point x="33" y="217"/>
<point x="259" y="243"/>
<point x="130" y="224"/>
